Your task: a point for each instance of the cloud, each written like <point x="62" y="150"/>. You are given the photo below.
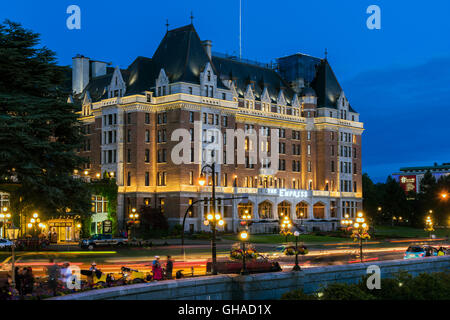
<point x="406" y="115"/>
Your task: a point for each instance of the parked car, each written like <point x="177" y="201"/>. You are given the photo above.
<point x="102" y="240"/>
<point x="420" y="252"/>
<point x="5" y="243"/>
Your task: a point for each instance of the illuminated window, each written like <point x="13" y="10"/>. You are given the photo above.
<point x="99" y="204"/>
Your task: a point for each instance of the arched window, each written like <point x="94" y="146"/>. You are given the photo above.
<point x="245" y="209"/>
<point x="284" y="209"/>
<point x="301" y="210"/>
<point x="319" y="211"/>
<point x="265" y="210"/>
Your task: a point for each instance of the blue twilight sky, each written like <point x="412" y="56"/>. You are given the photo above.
<point x="398" y="77"/>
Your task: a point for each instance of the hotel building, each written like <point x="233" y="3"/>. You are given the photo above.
<point x="129" y="117"/>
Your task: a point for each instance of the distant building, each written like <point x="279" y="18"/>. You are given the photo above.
<point x="409" y="177"/>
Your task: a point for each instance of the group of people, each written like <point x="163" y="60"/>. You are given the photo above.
<point x="160" y="273"/>
<point x="24" y="280"/>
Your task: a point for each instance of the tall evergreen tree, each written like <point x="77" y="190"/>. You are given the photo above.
<point x="39" y="130"/>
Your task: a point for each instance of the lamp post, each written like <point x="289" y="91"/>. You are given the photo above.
<point x="360" y="228"/>
<point x="214" y="219"/>
<point x="296" y="267"/>
<point x="244" y="236"/>
<point x="13" y="233"/>
<point x="133" y="216"/>
<point x="33" y="222"/>
<point x="346" y="222"/>
<point x="285" y="226"/>
<point x="429" y="225"/>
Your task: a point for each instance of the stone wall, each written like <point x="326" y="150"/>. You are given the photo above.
<point x="258" y="286"/>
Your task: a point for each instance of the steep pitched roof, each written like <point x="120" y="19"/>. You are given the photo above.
<point x="245" y="73"/>
<point x="182" y="55"/>
<point x="327" y="86"/>
<point x="141" y="75"/>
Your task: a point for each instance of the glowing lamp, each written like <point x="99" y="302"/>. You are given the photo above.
<point x="202" y="180"/>
<point x="35" y="215"/>
<point x="217" y="216"/>
<point x="209" y="216"/>
<point x="243" y="235"/>
<point x="221" y="222"/>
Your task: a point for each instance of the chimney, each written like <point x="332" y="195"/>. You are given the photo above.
<point x="80" y="73"/>
<point x="207" y="44"/>
<point x="98" y="68"/>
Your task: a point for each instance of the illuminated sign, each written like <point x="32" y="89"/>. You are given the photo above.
<point x="408" y="183"/>
<point x="285" y="193"/>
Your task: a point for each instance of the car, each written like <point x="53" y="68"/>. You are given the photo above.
<point x="102" y="240"/>
<point x="419" y="252"/>
<point x="5" y="243"/>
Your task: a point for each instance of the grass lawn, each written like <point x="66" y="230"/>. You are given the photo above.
<point x="278" y="239"/>
<point x="407" y="232"/>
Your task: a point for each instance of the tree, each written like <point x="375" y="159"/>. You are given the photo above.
<point x="371" y="198"/>
<point x="40" y="131"/>
<point x="394" y="201"/>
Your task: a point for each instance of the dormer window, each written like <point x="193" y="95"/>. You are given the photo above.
<point x="209" y="76"/>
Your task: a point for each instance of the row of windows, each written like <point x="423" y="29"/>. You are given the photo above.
<point x="210" y="118"/>
<point x="346" y="186"/>
<point x="346" y="167"/>
<point x="109" y="156"/>
<point x="109" y="136"/>
<point x="110" y="119"/>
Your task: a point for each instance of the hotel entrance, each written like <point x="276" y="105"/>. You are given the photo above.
<point x="63" y="230"/>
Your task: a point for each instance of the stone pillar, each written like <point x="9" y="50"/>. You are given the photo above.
<point x="255" y="212"/>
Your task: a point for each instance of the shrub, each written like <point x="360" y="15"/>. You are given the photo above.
<point x="344" y="291"/>
<point x="297" y="295"/>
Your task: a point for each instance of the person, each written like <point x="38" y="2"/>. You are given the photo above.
<point x="156" y="269"/>
<point x="28" y="281"/>
<point x="441" y="251"/>
<point x="18" y="279"/>
<point x="53" y="272"/>
<point x="169" y="267"/>
<point x="65" y="274"/>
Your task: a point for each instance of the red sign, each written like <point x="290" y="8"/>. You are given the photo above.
<point x="408" y="183"/>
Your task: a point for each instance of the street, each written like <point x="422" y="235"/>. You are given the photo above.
<point x="198" y="253"/>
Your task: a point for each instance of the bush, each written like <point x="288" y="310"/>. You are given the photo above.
<point x="344" y="291"/>
<point x="426" y="286"/>
<point x="297" y="295"/>
<point x="176" y="230"/>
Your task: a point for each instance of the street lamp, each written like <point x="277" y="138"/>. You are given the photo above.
<point x="429" y="225"/>
<point x="360" y="228"/>
<point x="35" y="221"/>
<point x="285" y="227"/>
<point x="13" y="234"/>
<point x="133" y="216"/>
<point x="296" y="267"/>
<point x="212" y="217"/>
<point x="244" y="236"/>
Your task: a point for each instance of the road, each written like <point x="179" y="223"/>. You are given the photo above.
<point x="197" y="255"/>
